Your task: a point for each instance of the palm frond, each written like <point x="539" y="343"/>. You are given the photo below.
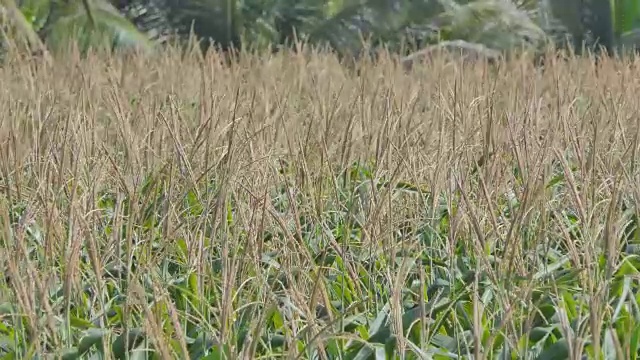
<point x="92" y="23"/>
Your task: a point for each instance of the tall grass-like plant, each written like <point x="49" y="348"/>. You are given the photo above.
<point x="174" y="207"/>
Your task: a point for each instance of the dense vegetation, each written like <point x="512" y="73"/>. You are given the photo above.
<point x="401" y="26"/>
<point x="173" y="207"/>
<point x="166" y="205"/>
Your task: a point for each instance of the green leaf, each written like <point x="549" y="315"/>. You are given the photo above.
<point x="558" y="351"/>
<point x="135" y="337"/>
<point x="22" y="26"/>
<point x="91" y="338"/>
<point x="445" y="342"/>
<point x="77" y="322"/>
<point x="202" y="345"/>
<point x="193" y="288"/>
<point x="633" y="343"/>
<point x="70" y="354"/>
<point x="219" y="352"/>
<point x="35" y="11"/>
<point x="6" y="309"/>
<point x="499" y="25"/>
<point x="625" y="15"/>
<point x="97" y="25"/>
<point x="539" y="333"/>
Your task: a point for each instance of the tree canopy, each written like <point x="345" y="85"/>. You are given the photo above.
<point x="402" y="26"/>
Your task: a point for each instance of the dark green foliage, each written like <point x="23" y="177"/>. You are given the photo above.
<point x="598" y="24"/>
<point x="401" y="26"/>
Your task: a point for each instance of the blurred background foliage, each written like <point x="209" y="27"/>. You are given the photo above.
<point x="402" y="26"/>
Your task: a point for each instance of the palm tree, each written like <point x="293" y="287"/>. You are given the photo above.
<point x="496" y="25"/>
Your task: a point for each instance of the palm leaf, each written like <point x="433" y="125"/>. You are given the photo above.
<point x="92" y="23"/>
<point x="497" y="24"/>
<point x="17" y="21"/>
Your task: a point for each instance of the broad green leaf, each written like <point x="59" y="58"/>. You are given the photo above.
<point x="625" y="15"/>
<point x="99" y="27"/>
<point x="35" y="11"/>
<point x="6" y="309"/>
<point x="629" y="40"/>
<point x="77" y="322"/>
<point x="70" y="354"/>
<point x="91" y="338"/>
<point x="23" y="26"/>
<point x="499" y="25"/>
<point x="558" y="351"/>
<point x="202" y="345"/>
<point x="539" y="333"/>
<point x="445" y="342"/>
<point x="134" y="338"/>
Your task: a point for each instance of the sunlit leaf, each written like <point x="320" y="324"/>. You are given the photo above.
<point x="100" y="27"/>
